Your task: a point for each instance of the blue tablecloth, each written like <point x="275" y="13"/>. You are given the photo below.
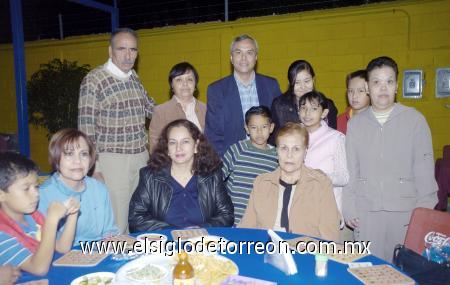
<point x="249" y="265"/>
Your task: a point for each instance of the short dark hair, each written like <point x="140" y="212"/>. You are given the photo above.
<point x="362" y="73"/>
<point x="122" y="31"/>
<point x="66" y="137"/>
<point x="206" y="159"/>
<point x="314" y="96"/>
<point x="258" y="110"/>
<point x="296" y="67"/>
<point x="380" y="62"/>
<point x="13" y="166"/>
<point x="180" y="69"/>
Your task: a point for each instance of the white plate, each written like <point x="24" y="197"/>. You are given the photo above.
<point x="152" y="237"/>
<point x="78" y="280"/>
<point x="169" y="262"/>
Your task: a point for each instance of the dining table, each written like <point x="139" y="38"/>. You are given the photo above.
<point x="250" y="265"/>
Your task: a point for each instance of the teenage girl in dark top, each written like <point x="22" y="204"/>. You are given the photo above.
<point x="285" y="107"/>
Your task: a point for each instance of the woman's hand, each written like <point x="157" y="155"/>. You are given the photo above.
<point x="353" y="223"/>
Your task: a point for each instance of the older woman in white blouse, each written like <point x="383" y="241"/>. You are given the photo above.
<point x="183" y="79"/>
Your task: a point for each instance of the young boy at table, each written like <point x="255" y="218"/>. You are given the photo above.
<point x="248" y="158"/>
<point x="26" y="239"/>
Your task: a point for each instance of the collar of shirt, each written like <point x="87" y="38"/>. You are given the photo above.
<point x="190" y="107"/>
<point x="382" y="117"/>
<point x="314" y="136"/>
<point x="111" y="67"/>
<point x="240" y="83"/>
<point x="189" y="111"/>
<point x="66" y="190"/>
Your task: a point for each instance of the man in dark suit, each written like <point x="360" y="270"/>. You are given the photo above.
<point x="229" y="98"/>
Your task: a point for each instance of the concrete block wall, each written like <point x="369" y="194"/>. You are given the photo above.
<point x="336" y="41"/>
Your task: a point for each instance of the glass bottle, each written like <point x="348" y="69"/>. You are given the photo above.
<point x="321" y="265"/>
<point x="183" y="273"/>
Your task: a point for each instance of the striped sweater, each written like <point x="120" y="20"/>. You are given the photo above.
<point x="242" y="163"/>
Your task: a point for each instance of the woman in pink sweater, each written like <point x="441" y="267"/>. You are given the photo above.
<point x="326" y="149"/>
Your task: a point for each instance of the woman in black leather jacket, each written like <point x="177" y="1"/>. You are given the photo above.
<point x="285" y="107"/>
<point x="182" y="185"/>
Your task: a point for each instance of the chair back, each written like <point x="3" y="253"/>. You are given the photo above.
<point x="3" y="144"/>
<point x="446" y="153"/>
<point x="426" y="226"/>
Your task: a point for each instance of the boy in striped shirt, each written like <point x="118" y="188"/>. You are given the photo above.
<point x="248" y="158"/>
<point x="26" y="240"/>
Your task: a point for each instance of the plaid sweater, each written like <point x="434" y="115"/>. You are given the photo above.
<point x="112" y="111"/>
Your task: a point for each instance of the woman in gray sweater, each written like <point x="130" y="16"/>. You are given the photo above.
<point x="391" y="165"/>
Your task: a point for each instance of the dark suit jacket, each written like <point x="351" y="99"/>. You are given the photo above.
<point x="224" y="124"/>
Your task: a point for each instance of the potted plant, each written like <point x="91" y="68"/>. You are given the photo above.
<point x="53" y="94"/>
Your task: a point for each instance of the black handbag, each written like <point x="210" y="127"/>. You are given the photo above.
<point x="422" y="270"/>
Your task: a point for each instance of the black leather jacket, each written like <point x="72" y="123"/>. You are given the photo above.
<point x="151" y="200"/>
<point x="284" y="110"/>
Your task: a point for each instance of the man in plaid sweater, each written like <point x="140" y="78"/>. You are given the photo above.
<point x="112" y="108"/>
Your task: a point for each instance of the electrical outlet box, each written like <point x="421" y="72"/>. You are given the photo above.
<point x="412" y="83"/>
<point x="442" y="82"/>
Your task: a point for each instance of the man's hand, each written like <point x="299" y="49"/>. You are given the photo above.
<point x="353" y="223"/>
<point x="8" y="274"/>
<point x="99" y="176"/>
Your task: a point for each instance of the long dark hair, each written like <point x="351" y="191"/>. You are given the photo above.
<point x="296" y="67"/>
<point x="206" y="159"/>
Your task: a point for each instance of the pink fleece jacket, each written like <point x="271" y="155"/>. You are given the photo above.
<point x="326" y="152"/>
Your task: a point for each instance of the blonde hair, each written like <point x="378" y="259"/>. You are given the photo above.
<point x="291" y="128"/>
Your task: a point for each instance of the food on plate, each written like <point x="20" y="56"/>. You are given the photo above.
<point x="212" y="269"/>
<point x="147" y="273"/>
<point x="95" y="280"/>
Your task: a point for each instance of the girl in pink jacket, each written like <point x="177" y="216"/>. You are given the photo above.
<point x="326" y="149"/>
